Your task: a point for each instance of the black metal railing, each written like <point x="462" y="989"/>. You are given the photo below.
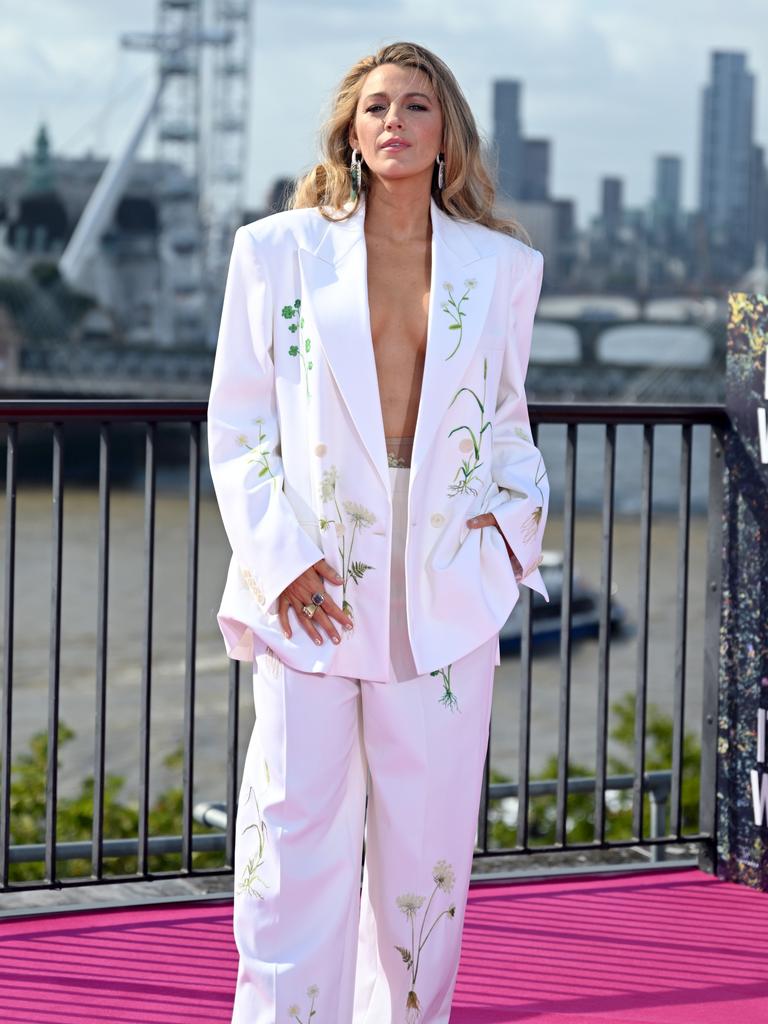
<point x="100" y="419"/>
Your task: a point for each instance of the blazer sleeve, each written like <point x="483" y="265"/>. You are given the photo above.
<point x="267" y="541"/>
<point x="517" y="466"/>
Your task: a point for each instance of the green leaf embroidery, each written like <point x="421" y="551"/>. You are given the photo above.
<point x="304" y="344"/>
<point x="448" y="698"/>
<point x="467" y="472"/>
<point x="454" y="310"/>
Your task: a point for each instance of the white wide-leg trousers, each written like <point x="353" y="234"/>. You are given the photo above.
<point x="312" y="948"/>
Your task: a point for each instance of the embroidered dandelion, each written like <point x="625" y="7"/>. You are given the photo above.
<point x="410" y="903"/>
<point x="453" y="308"/>
<point x="443" y="875"/>
<point x="360" y="518"/>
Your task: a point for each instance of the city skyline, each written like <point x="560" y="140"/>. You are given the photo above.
<point x="579" y="69"/>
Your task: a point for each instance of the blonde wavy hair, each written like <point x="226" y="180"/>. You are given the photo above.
<point x="468" y="193"/>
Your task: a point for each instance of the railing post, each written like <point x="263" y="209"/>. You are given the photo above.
<point x="712" y="612"/>
<point x="742" y="759"/>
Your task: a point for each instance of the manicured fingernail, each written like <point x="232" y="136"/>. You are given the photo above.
<point x="335" y="639"/>
<point x="348" y="625"/>
<point x="339" y="579"/>
<point x="318" y="641"/>
<point x="286" y="633"/>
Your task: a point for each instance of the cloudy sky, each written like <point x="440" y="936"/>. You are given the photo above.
<point x="611" y="83"/>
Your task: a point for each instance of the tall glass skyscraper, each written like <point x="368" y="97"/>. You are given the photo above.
<point x="726" y="169"/>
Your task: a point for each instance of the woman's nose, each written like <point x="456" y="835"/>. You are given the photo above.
<point x="393" y="118"/>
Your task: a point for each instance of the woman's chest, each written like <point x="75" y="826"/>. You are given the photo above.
<point x="398" y="299"/>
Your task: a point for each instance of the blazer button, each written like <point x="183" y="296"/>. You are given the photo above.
<point x="437" y="519"/>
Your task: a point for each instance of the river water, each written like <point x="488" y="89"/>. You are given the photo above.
<point x="126" y="617"/>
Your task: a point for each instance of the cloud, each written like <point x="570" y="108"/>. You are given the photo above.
<point x="610" y="84"/>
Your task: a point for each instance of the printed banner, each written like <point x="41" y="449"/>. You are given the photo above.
<point x="742" y="760"/>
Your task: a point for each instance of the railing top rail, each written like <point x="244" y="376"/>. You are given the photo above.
<point x="629" y="412"/>
<point x="130" y="409"/>
<point x="147" y="410"/>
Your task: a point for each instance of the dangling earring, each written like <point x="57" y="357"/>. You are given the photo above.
<point x="440" y="160"/>
<point x="356" y="171"/>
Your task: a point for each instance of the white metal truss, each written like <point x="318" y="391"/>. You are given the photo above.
<point x="227" y="151"/>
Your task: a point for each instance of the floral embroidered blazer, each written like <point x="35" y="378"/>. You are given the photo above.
<point x="297" y="449"/>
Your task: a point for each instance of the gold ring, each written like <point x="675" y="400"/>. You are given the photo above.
<point x="309" y="610"/>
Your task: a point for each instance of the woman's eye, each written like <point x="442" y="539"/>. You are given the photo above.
<point x="379" y="106"/>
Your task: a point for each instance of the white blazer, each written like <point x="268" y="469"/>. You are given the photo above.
<point x="297" y="449"/>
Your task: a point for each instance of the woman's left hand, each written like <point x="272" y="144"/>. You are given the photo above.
<point x="489" y="519"/>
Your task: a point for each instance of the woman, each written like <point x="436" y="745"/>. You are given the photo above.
<point x="372" y="458"/>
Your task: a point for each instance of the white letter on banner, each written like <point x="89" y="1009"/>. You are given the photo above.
<point x="762" y="433"/>
<point x="759" y="795"/>
<point x="761" y="735"/>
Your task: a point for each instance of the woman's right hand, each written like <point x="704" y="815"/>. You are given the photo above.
<point x="300" y="592"/>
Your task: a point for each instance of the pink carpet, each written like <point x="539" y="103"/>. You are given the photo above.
<point x="662" y="948"/>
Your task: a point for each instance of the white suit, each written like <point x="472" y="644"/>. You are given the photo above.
<point x="296" y="440"/>
<point x="299" y="463"/>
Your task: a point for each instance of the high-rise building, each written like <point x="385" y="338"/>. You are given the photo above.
<point x="535" y="170"/>
<point x="507" y="137"/>
<point x="726" y="166"/>
<point x="611" y="204"/>
<point x="666" y="212"/>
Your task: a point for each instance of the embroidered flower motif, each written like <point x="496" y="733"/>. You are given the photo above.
<point x="454" y="310"/>
<point x="397" y="461"/>
<point x="533" y="521"/>
<point x="524" y="434"/>
<point x="252" y="584"/>
<point x="449" y="697"/>
<point x="304" y="345"/>
<point x="359" y="514"/>
<point x="443" y="875"/>
<point x="294" y="1009"/>
<point x="360" y="518"/>
<point x="328" y="483"/>
<point x="250" y="876"/>
<point x="468" y="470"/>
<point x="410" y="903"/>
<point x="260" y="450"/>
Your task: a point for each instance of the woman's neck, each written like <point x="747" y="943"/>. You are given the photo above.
<point x="397" y="217"/>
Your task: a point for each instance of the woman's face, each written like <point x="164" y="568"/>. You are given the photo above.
<point x="398" y="103"/>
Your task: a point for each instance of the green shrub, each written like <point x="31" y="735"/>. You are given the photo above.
<point x="580" y="807"/>
<point x="74" y="819"/>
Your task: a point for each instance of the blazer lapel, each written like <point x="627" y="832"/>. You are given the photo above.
<point x="462" y="283"/>
<point x="334" y="281"/>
